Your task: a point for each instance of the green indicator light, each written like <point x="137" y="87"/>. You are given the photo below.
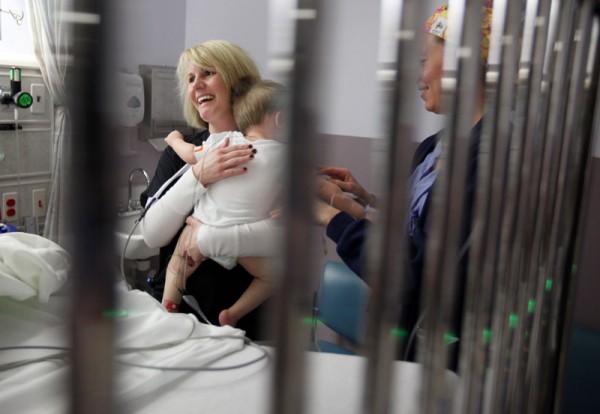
<point x="115" y="313"/>
<point x="548" y="285"/>
<point x="450" y="338"/>
<point x="574" y="267"/>
<point x="487" y="336"/>
<point x="310" y="321"/>
<point x="399" y="332"/>
<point x="24" y="100"/>
<point x="531" y="306"/>
<point x="513" y="320"/>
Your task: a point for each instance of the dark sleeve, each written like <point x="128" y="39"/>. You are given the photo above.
<point x="349" y="234"/>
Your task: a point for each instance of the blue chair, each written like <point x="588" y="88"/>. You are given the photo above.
<point x="341" y="305"/>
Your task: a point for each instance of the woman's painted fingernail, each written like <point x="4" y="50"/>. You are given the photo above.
<point x="254" y="151"/>
<point x="251" y="155"/>
<point x="250" y="146"/>
<point x="245" y="168"/>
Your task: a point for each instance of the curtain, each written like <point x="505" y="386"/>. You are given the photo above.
<point x="51" y="38"/>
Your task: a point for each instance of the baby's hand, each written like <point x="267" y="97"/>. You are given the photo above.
<point x="173" y="137"/>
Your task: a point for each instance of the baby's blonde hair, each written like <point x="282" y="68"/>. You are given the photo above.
<point x="230" y="61"/>
<point x="254" y="101"/>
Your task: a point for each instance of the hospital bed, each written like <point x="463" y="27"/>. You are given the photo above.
<point x="163" y="362"/>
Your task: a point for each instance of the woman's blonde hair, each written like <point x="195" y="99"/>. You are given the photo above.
<point x="230" y="61"/>
<point x="254" y="101"/>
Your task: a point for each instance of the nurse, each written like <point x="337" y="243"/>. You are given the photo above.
<point x="349" y="231"/>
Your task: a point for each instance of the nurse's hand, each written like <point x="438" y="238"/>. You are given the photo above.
<point x="223" y="162"/>
<point x="191" y="247"/>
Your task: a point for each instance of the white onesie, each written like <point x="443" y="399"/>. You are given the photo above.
<point x="257" y="238"/>
<point x="245" y="198"/>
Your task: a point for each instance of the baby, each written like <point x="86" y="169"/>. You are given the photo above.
<point x="237" y="200"/>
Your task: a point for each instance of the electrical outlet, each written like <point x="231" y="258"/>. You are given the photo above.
<point x="38" y="94"/>
<point x="39" y="202"/>
<point x="10" y="207"/>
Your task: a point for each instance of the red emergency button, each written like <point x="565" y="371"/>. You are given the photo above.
<point x="11" y="202"/>
<point x="11" y="212"/>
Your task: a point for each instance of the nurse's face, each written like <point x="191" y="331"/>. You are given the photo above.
<point x="209" y="94"/>
<point x="430" y="81"/>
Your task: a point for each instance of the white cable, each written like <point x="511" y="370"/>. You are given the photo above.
<point x="206" y="367"/>
<point x="123" y="255"/>
<point x="413" y="334"/>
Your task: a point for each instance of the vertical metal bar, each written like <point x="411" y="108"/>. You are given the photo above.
<point x="542" y="260"/>
<point x="386" y="255"/>
<point x="580" y="188"/>
<point x="441" y="279"/>
<point x="522" y="269"/>
<point x="293" y="295"/>
<point x="527" y="121"/>
<point x="527" y="114"/>
<point x="568" y="175"/>
<point x="492" y="165"/>
<point x="92" y="221"/>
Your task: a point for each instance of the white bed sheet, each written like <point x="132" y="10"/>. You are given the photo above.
<point x="334" y="382"/>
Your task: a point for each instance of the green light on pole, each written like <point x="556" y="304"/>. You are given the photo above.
<point x="399" y="333"/>
<point x="548" y="285"/>
<point x="513" y="320"/>
<point x="487" y="336"/>
<point x="450" y="338"/>
<point x="531" y="306"/>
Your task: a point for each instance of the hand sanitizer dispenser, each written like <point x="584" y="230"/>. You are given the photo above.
<point x="128" y="109"/>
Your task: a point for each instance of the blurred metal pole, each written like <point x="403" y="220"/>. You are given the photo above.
<point x="527" y="129"/>
<point x="495" y="141"/>
<point x="442" y="281"/>
<point x="530" y="119"/>
<point x="579" y="188"/>
<point x="529" y="115"/>
<point x="386" y="270"/>
<point x="559" y="60"/>
<point x="93" y="273"/>
<point x="293" y="295"/>
<point x="562" y="235"/>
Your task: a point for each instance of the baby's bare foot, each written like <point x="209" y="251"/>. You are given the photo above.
<point x="226" y="318"/>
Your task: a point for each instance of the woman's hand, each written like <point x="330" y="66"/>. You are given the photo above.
<point x="343" y="179"/>
<point x="223" y="162"/>
<point x="332" y="194"/>
<point x="190" y="247"/>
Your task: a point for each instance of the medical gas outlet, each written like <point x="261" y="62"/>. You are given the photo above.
<point x="16" y="96"/>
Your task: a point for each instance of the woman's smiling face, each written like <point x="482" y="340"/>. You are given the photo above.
<point x="210" y="96"/>
<point x="430" y="80"/>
